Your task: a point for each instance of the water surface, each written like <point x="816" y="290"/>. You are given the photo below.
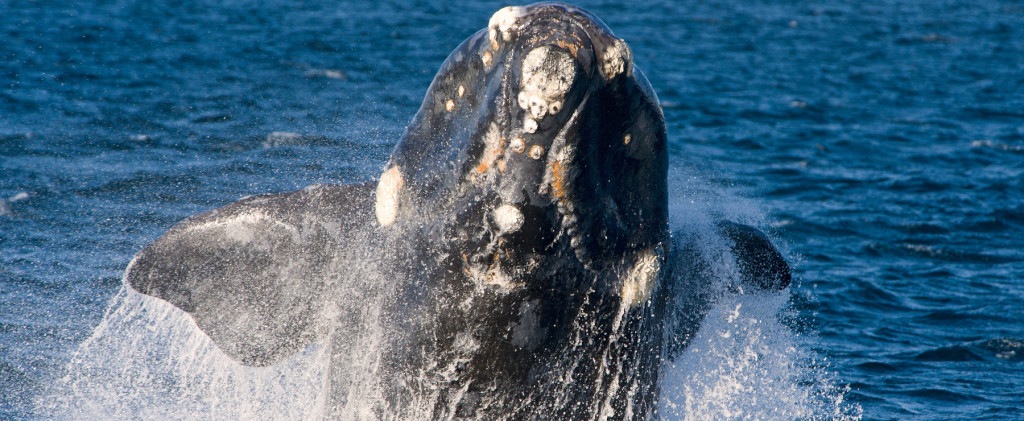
<point x="881" y="142"/>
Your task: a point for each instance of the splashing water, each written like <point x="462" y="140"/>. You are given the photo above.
<point x="745" y="364"/>
<point x="148" y="359"/>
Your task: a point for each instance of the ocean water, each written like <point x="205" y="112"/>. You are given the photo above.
<point x="880" y="143"/>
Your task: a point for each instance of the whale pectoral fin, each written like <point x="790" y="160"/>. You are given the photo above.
<point x="691" y="289"/>
<point x="760" y="263"/>
<point x="252" y="273"/>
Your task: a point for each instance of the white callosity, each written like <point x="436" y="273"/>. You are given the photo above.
<point x="508" y="218"/>
<point x="548" y="73"/>
<point x="616" y="59"/>
<point x="388" y="189"/>
<point x="503" y="22"/>
<point x="642" y="277"/>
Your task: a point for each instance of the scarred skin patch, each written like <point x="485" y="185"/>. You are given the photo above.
<point x="495" y="149"/>
<point x="571" y="47"/>
<point x="558" y="179"/>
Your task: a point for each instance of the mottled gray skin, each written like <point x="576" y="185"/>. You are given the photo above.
<point x="566" y="309"/>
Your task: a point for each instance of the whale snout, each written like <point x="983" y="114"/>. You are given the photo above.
<point x="585" y="135"/>
<point x="539" y="130"/>
<point x="566" y="27"/>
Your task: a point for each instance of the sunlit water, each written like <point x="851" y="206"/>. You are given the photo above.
<point x="881" y="144"/>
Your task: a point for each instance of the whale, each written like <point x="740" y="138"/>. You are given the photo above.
<point x="513" y="260"/>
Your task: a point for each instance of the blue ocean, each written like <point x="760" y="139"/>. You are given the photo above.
<point x="879" y="143"/>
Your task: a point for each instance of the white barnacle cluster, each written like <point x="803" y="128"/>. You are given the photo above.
<point x="503" y="22"/>
<point x="548" y="73"/>
<point x="508" y="218"/>
<point x="518" y="144"/>
<point x="501" y="27"/>
<point x="536" y="152"/>
<point x="616" y="59"/>
<point x="491" y="272"/>
<point x="254" y="228"/>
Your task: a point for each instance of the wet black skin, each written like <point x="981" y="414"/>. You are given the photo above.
<point x="619" y="196"/>
<point x="550" y="339"/>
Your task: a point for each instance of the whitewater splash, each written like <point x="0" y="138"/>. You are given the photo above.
<point x="745" y="364"/>
<point x="148" y="359"/>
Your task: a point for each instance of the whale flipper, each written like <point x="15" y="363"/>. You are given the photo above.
<point x="759" y="267"/>
<point x="760" y="264"/>
<point x="252" y="274"/>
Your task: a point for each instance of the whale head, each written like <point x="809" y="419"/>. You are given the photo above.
<point x="539" y="141"/>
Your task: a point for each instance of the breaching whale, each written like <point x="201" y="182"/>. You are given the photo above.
<point x="513" y="261"/>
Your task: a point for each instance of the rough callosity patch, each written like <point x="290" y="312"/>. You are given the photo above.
<point x="388" y="189"/>
<point x="503" y="23"/>
<point x="616" y="59"/>
<point x="494" y="148"/>
<point x="558" y="179"/>
<point x="518" y="144"/>
<point x="508" y="218"/>
<point x="548" y="73"/>
<point x="487" y="58"/>
<point x="642" y="276"/>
